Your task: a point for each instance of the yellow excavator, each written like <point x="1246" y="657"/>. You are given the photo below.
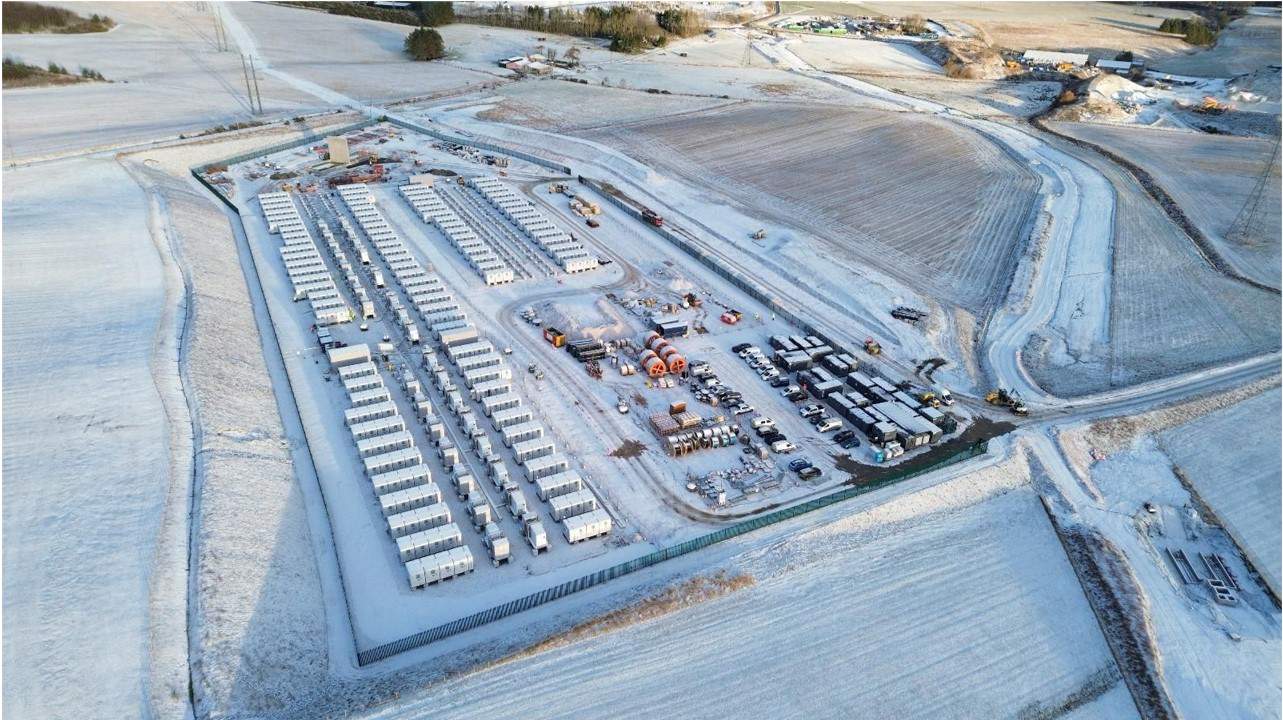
<point x="1008" y="399"/>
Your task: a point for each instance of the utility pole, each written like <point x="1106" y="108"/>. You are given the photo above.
<point x="249" y="90"/>
<point x="254" y="74"/>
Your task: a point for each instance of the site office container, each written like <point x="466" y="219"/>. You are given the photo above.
<point x="457" y="336"/>
<point x="594" y="523"/>
<point x="563" y="483"/>
<point x="572" y="503"/>
<point x="438" y="567"/>
<point x="395" y="460"/>
<point x="488" y="381"/>
<point x="349" y="355"/>
<point x="520" y="433"/>
<point x="412" y="498"/>
<point x="494" y="403"/>
<point x="545" y="466"/>
<point x="478" y="360"/>
<point x="508" y="418"/>
<point x="917" y="431"/>
<point x="375" y="428"/>
<point x="401" y="478"/>
<point x="428" y="541"/>
<point x="437" y="317"/>
<point x="370" y="397"/>
<point x="533" y="449"/>
<point x="380" y="444"/>
<point x="358" y="415"/>
<point x="498" y="276"/>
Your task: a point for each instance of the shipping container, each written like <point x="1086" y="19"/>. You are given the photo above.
<point x="572" y="503"/>
<point x="419" y="519"/>
<point x="366" y="413"/>
<point x="395" y="460"/>
<point x="374" y="428"/>
<point x="428" y="541"/>
<point x="586" y="526"/>
<point x="563" y="483"/>
<point x="545" y="466"/>
<point x="514" y="434"/>
<point x="412" y="498"/>
<point x="381" y="444"/>
<point x="533" y="449"/>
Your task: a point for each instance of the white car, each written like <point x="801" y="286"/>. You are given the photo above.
<point x="761" y="420"/>
<point x="743" y="408"/>
<point x="783" y="446"/>
<point x="829" y="425"/>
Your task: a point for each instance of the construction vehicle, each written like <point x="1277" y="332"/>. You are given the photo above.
<point x="557" y="188"/>
<point x="1008" y="399"/>
<point x="872" y="347"/>
<point x="908" y="314"/>
<point x="555" y="337"/>
<point x="1211" y="106"/>
<point x="731" y="317"/>
<point x="928" y="397"/>
<point x="375" y="174"/>
<point x="759" y="235"/>
<point x="533" y="369"/>
<point x="652" y="217"/>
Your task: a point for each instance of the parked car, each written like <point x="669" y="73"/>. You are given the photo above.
<point x="796" y="396"/>
<point x="743" y="409"/>
<point x="761" y="421"/>
<point x="779" y="382"/>
<point x="851" y="442"/>
<point x="783" y="446"/>
<point x="773" y="436"/>
<point x="809" y="473"/>
<point x="765" y="430"/>
<point x="799" y="464"/>
<point x="741" y="347"/>
<point x="829" y="425"/>
<point x="810" y="411"/>
<point x="843" y="436"/>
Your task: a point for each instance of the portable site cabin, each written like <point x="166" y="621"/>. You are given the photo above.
<point x="562" y="483"/>
<point x="508" y="418"/>
<point x="402" y="478"/>
<point x="545" y="466"/>
<point x="523" y="452"/>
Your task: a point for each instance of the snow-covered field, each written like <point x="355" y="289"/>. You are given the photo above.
<point x="1243" y="486"/>
<point x="91" y="398"/>
<point x="934" y="615"/>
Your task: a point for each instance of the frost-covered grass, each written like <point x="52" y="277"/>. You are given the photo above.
<point x="87" y="444"/>
<point x="1242" y="487"/>
<point x="934" y="616"/>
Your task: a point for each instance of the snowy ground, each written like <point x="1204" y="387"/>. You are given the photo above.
<point x="913" y="610"/>
<point x="90" y="379"/>
<point x="1241" y="488"/>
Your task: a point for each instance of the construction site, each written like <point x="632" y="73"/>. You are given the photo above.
<point x="545" y="377"/>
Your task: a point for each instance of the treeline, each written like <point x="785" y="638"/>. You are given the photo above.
<point x="19" y="74"/>
<point x="29" y="17"/>
<point x="427" y="14"/>
<point x="629" y="28"/>
<point x="1196" y="32"/>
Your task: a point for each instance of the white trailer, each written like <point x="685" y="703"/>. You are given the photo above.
<point x="438" y="567"/>
<point x="533" y="449"/>
<point x="402" y="478"/>
<point x="419" y="519"/>
<point x="571" y="504"/>
<point x="586" y="526"/>
<point x="562" y="483"/>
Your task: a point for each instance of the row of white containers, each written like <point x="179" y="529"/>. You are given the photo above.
<point x="303" y="263"/>
<point x="567" y="252"/>
<point x="425" y="201"/>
